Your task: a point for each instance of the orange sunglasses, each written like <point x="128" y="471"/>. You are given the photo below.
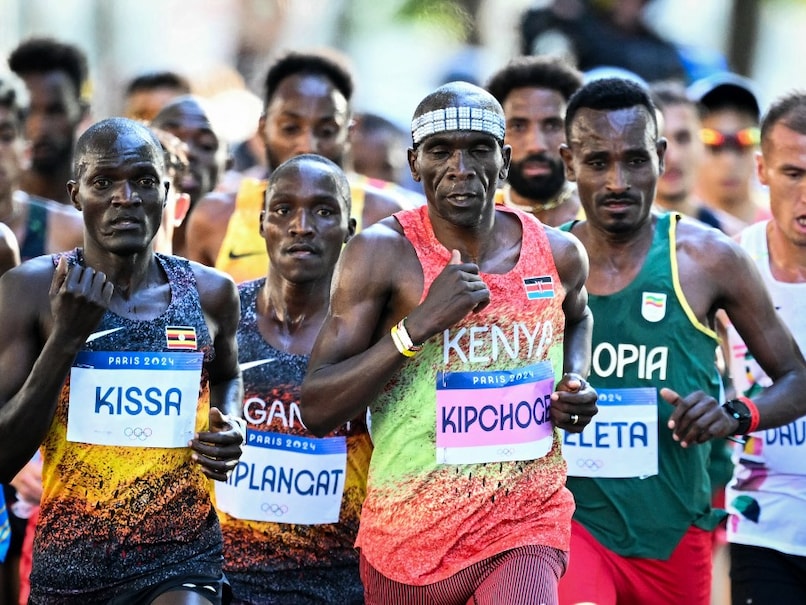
<point x="741" y="140"/>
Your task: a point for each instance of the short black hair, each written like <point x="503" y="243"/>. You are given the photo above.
<point x="8" y="99"/>
<point x="329" y="65"/>
<point x="608" y="94"/>
<point x="158" y="79"/>
<point x="372" y="122"/>
<point x="340" y="179"/>
<point x="460" y="94"/>
<point x="41" y="55"/>
<point x="789" y="110"/>
<point x="547" y="72"/>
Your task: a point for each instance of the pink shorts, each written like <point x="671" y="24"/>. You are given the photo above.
<point x="522" y="576"/>
<point x="598" y="575"/>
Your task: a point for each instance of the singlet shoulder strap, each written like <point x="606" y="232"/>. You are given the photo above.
<point x="36" y="228"/>
<point x="673" y="219"/>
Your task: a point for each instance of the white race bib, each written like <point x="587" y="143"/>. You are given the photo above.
<point x="286" y="479"/>
<point x="621" y="440"/>
<point x="781" y="450"/>
<point x="134" y="399"/>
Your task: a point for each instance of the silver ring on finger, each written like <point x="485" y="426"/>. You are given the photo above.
<point x="574" y="418"/>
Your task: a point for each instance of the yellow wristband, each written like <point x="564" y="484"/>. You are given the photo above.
<point x="402" y="349"/>
<point x="405" y="338"/>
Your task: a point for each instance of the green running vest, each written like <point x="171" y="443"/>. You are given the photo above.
<point x="647" y="517"/>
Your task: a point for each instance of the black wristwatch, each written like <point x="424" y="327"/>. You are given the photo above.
<point x="740" y="411"/>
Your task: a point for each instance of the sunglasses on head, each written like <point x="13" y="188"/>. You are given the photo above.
<point x="741" y="140"/>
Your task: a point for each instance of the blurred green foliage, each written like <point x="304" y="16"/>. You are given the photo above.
<point x="450" y="16"/>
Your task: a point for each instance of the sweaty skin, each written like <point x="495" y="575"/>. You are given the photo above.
<point x="454" y="265"/>
<point x="120" y="192"/>
<point x="305" y="114"/>
<point x="615" y="158"/>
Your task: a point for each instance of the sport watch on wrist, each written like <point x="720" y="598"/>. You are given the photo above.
<point x="739" y="410"/>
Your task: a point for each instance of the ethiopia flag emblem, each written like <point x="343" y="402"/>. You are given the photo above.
<point x="180" y="338"/>
<point x="539" y="287"/>
<point x="653" y="306"/>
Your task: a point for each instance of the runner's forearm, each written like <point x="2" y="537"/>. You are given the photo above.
<point x="577" y="345"/>
<point x="227" y="396"/>
<point x="334" y="394"/>
<point x="26" y="417"/>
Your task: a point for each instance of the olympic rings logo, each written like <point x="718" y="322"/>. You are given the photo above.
<point x="506" y="451"/>
<point x="137" y="433"/>
<point x="590" y="463"/>
<point x="278" y="510"/>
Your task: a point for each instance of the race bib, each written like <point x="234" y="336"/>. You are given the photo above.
<point x="621" y="440"/>
<point x="134" y="399"/>
<point x="780" y="450"/>
<point x="286" y="479"/>
<point x="494" y="416"/>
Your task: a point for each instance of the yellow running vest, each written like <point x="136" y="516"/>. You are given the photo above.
<point x="243" y="252"/>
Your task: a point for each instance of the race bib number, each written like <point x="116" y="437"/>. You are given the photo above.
<point x="494" y="416"/>
<point x="621" y="440"/>
<point x="286" y="479"/>
<point x="780" y="450"/>
<point x="134" y="399"/>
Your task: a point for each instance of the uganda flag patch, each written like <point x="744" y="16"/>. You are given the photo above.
<point x="539" y="287"/>
<point x="180" y="338"/>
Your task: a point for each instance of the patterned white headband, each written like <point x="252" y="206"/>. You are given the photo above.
<point x="457" y="118"/>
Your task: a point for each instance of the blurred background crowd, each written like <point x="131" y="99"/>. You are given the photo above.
<point x="401" y="49"/>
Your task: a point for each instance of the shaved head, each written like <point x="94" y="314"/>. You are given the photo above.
<point x="106" y="133"/>
<point x="293" y="165"/>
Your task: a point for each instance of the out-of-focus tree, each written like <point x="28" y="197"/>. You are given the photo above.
<point x="744" y="20"/>
<point x="457" y="18"/>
